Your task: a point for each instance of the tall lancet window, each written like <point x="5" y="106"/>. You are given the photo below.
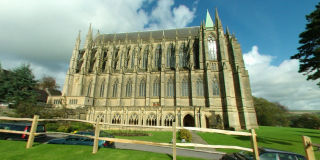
<point x="102" y="89"/>
<point x="132" y="58"/>
<point x="156" y="88"/>
<point x="185" y="88"/>
<point x="212" y="48"/>
<point x="170" y="89"/>
<point x="170" y="56"/>
<point x="115" y="88"/>
<point x="145" y="58"/>
<point x="215" y="87"/>
<point x="199" y="87"/>
<point x="89" y="89"/>
<point x="142" y="91"/>
<point x="181" y="55"/>
<point x="128" y="89"/>
<point x="127" y="58"/>
<point x="157" y="59"/>
<point x="104" y="59"/>
<point x="115" y="58"/>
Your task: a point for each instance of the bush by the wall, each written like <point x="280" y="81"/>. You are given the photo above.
<point x="68" y="126"/>
<point x="184" y="134"/>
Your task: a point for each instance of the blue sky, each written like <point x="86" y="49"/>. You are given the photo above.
<point x="42" y="34"/>
<point x="273" y="25"/>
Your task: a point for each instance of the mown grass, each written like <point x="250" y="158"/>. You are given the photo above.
<point x="282" y="138"/>
<point x="15" y="150"/>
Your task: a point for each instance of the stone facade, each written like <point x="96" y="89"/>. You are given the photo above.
<point x="193" y="75"/>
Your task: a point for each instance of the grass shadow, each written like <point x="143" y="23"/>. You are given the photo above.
<point x="169" y="155"/>
<point x="308" y="132"/>
<point x="269" y="140"/>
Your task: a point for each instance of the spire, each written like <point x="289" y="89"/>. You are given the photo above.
<point x="98" y="33"/>
<point x="89" y="38"/>
<point x="218" y="22"/>
<point x="227" y="31"/>
<point x="138" y="37"/>
<point x="163" y="36"/>
<point x="77" y="45"/>
<point x="209" y="22"/>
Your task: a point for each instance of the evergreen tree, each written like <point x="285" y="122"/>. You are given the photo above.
<point x="309" y="51"/>
<point x="18" y="86"/>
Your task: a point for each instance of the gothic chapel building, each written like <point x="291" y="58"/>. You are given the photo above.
<point x="195" y="76"/>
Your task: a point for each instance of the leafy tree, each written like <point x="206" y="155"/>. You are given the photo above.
<point x="309" y="51"/>
<point x="269" y="113"/>
<point x="18" y="86"/>
<point x="47" y="82"/>
<point x="311" y="121"/>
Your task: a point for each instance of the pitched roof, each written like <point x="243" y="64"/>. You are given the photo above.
<point x="156" y="35"/>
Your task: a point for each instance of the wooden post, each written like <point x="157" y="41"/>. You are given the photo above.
<point x="96" y="136"/>
<point x="254" y="145"/>
<point x="174" y="151"/>
<point x="32" y="132"/>
<point x="308" y="147"/>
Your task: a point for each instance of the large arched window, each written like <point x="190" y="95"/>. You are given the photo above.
<point x="170" y="89"/>
<point x="170" y="56"/>
<point x="102" y="89"/>
<point x="156" y="88"/>
<point x="128" y="89"/>
<point x="215" y="87"/>
<point x="142" y="90"/>
<point x="185" y="88"/>
<point x="183" y="56"/>
<point x="199" y="87"/>
<point x="157" y="58"/>
<point x="145" y="58"/>
<point x="115" y="88"/>
<point x="212" y="48"/>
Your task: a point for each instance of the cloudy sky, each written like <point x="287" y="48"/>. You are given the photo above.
<point x="42" y="33"/>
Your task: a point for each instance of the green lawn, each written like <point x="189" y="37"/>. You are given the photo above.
<point x="15" y="150"/>
<point x="282" y="138"/>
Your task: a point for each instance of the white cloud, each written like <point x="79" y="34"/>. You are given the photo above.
<point x="281" y="83"/>
<point x="42" y="33"/>
<point x="165" y="17"/>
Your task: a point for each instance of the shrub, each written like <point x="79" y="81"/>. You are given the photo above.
<point x="68" y="126"/>
<point x="64" y="129"/>
<point x="311" y="121"/>
<point x="129" y="133"/>
<point x="270" y="113"/>
<point x="184" y="134"/>
<point x="52" y="126"/>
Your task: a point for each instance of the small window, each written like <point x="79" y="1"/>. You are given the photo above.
<point x="199" y="87"/>
<point x="170" y="89"/>
<point x="142" y="88"/>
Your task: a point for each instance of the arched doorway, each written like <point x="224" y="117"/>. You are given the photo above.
<point x="188" y="121"/>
